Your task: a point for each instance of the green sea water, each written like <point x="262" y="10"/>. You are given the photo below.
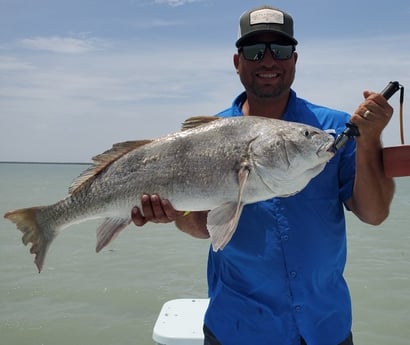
<point x="114" y="297"/>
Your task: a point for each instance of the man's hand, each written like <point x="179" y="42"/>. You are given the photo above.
<point x="154" y="209"/>
<point x="372" y="116"/>
<point x="157" y="210"/>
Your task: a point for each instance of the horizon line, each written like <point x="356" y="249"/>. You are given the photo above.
<point x="34" y="162"/>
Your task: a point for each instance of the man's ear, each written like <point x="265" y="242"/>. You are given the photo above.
<point x="236" y="62"/>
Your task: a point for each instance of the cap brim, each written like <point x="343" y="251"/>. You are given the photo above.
<point x="280" y="33"/>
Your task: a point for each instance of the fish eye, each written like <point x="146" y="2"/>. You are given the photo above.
<point x="306" y="133"/>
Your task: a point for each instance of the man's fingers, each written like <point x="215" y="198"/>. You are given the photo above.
<point x="158" y="213"/>
<point x="137" y="218"/>
<point x="147" y="208"/>
<point x="170" y="211"/>
<point x="154" y="209"/>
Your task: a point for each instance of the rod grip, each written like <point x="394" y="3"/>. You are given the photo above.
<point x="391" y="88"/>
<point x="351" y="130"/>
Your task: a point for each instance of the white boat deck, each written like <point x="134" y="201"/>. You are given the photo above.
<point x="180" y="322"/>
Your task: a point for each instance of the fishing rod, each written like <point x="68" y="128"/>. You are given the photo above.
<point x="351" y="130"/>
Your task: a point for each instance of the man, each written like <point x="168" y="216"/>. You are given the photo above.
<point x="280" y="278"/>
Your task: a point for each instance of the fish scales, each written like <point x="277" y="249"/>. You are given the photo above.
<point x="213" y="164"/>
<point x="166" y="169"/>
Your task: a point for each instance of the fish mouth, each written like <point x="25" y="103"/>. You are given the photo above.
<point x="326" y="149"/>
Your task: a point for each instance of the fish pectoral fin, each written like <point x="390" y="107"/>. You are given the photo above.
<point x="109" y="230"/>
<point x="243" y="175"/>
<point x="223" y="220"/>
<point x="222" y="223"/>
<point x="196" y="121"/>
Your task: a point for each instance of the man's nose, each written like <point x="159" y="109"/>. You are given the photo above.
<point x="268" y="59"/>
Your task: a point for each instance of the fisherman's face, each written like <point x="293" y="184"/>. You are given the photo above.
<point x="267" y="77"/>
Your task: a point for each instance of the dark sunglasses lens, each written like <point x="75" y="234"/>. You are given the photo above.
<point x="254" y="52"/>
<point x="281" y="52"/>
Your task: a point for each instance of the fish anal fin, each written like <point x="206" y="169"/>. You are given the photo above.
<point x="109" y="230"/>
<point x="103" y="160"/>
<point x="196" y="121"/>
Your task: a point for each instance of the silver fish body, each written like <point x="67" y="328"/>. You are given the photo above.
<point x="213" y="164"/>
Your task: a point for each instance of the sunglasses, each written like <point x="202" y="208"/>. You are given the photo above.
<point x="256" y="52"/>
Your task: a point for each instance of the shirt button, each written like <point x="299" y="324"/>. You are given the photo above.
<point x="285" y="237"/>
<point x="298" y="308"/>
<point x="293" y="274"/>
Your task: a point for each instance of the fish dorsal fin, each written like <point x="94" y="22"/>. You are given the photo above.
<point x="196" y="121"/>
<point x="103" y="160"/>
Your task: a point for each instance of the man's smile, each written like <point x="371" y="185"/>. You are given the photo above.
<point x="268" y="75"/>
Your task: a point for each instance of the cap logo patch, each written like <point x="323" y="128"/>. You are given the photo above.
<point x="266" y="16"/>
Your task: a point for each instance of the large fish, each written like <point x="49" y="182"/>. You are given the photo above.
<point x="216" y="164"/>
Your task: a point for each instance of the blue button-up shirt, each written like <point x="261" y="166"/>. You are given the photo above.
<point x="281" y="275"/>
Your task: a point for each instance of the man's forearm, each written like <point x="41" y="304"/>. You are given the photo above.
<point x="373" y="191"/>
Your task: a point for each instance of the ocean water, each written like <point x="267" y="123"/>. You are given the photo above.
<point x="114" y="297"/>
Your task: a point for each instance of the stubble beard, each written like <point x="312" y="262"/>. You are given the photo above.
<point x="271" y="91"/>
<point x="268" y="92"/>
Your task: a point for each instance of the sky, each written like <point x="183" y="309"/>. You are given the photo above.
<point x="78" y="76"/>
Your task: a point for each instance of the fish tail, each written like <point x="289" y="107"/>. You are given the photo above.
<point x="40" y="237"/>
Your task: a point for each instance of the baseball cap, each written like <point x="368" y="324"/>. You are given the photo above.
<point x="265" y="19"/>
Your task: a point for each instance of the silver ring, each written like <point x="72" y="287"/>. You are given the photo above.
<point x="366" y="114"/>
